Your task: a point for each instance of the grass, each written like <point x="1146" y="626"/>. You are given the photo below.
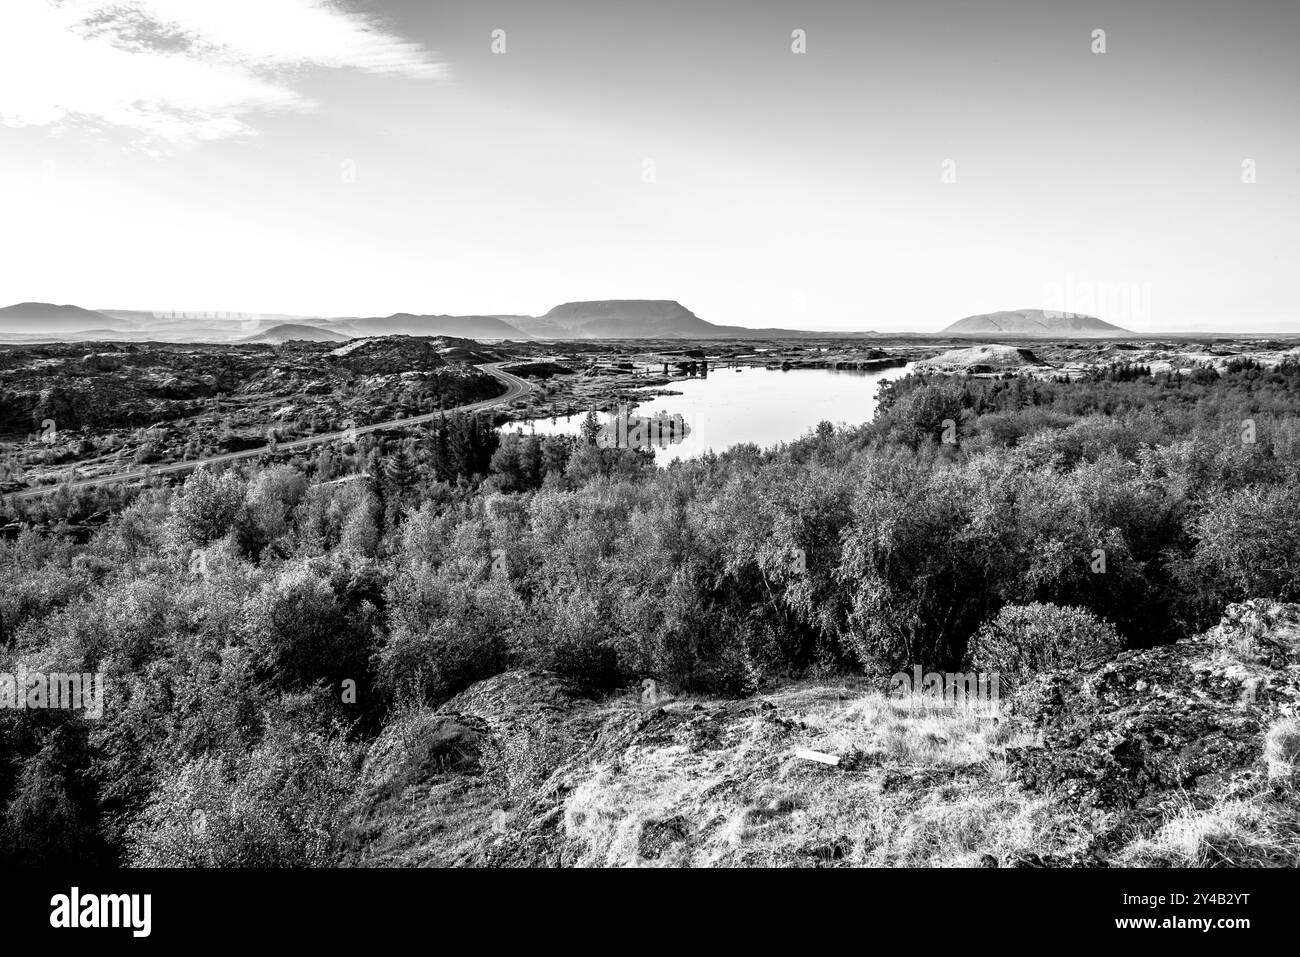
<point x="921" y="785"/>
<point x="717" y="783"/>
<point x="1232" y="833"/>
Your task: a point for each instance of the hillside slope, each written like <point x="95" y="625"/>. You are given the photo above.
<point x="1155" y="757"/>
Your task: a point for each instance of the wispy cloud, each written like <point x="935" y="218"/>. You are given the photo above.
<point x="173" y="72"/>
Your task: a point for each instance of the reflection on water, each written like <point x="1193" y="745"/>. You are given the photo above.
<point x="762" y="406"/>
<point x="625" y="430"/>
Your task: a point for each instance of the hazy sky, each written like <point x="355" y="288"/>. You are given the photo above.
<point x="363" y="157"/>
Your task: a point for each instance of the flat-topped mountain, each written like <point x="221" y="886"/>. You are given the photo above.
<point x="640" y="319"/>
<point x="619" y="319"/>
<point x="1034" y="322"/>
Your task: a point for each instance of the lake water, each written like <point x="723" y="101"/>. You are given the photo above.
<point x="763" y="406"/>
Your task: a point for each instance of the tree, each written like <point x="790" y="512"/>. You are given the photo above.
<point x="1248" y="546"/>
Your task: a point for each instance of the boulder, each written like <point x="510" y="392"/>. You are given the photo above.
<point x="100" y="362"/>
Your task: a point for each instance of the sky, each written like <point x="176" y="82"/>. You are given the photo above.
<point x="818" y="165"/>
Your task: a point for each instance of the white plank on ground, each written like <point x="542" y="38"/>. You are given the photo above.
<point x="817" y="756"/>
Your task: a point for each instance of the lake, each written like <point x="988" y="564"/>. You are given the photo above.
<point x="749" y="404"/>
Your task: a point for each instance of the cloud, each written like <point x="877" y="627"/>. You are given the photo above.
<point x="174" y="72"/>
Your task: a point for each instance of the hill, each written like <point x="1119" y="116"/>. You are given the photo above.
<point x="1034" y="322"/>
<point x="986" y="358"/>
<point x="409" y="324"/>
<point x="296" y="332"/>
<point x="390" y="355"/>
<point x="45" y="317"/>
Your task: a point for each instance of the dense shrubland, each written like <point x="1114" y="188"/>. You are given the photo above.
<point x="256" y="630"/>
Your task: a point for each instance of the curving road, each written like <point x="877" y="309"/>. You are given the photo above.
<point x="515" y="387"/>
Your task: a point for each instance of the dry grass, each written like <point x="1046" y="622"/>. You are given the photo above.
<point x="1233" y="833"/>
<point x="713" y="784"/>
<point x="443" y="823"/>
<point x="922" y="786"/>
<point x="1282" y="750"/>
<point x="910" y="731"/>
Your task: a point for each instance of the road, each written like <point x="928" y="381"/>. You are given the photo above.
<point x="515" y="387"/>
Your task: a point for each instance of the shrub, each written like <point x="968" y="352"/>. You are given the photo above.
<point x="1023" y="639"/>
<point x="207" y="508"/>
<point x="301" y="634"/>
<point x="518" y="762"/>
<point x="42" y="825"/>
<point x="281" y="806"/>
<point x="925" y="414"/>
<point x="445" y="634"/>
<point x="1248" y="545"/>
<point x="920" y="568"/>
<point x="575" y="637"/>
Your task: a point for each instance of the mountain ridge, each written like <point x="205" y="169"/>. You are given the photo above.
<point x="575" y="320"/>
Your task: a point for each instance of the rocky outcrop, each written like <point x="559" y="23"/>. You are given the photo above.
<point x="1088" y="767"/>
<point x="538" y="370"/>
<point x="389" y="355"/>
<point x="1133" y="736"/>
<point x="101" y="362"/>
<point x="983" y="359"/>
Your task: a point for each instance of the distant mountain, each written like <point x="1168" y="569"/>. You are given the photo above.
<point x="621" y="319"/>
<point x="45" y="317"/>
<point x="1034" y="322"/>
<point x="406" y="324"/>
<point x="296" y="332"/>
<point x="641" y="319"/>
<point x="602" y="319"/>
